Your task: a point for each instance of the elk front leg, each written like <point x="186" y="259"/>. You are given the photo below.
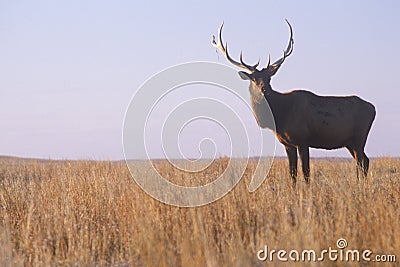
<point x="292" y="156"/>
<point x="305" y="162"/>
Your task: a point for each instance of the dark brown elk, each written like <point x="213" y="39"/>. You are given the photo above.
<point x="304" y="119"/>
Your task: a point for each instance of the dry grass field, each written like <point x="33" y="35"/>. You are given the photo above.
<point x="87" y="213"/>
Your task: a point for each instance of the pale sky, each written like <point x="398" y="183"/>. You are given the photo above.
<point x="69" y="68"/>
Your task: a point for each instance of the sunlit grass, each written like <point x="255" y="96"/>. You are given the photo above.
<point x="93" y="213"/>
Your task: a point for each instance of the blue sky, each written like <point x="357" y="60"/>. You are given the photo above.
<point x="68" y="69"/>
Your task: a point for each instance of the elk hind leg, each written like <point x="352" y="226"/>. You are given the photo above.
<point x="362" y="162"/>
<point x="353" y="154"/>
<point x="365" y="165"/>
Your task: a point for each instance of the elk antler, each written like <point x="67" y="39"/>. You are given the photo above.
<point x="224" y="50"/>
<point x="275" y="66"/>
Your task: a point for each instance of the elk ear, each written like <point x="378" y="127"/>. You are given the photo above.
<point x="244" y="75"/>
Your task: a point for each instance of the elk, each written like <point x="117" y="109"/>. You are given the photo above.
<point x="302" y="118"/>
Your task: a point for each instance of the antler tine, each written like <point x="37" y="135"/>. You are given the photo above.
<point x="288" y="50"/>
<point x="224" y="50"/>
<point x="269" y="61"/>
<point x="248" y="66"/>
<point x="256" y="65"/>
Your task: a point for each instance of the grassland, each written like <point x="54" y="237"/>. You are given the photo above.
<point x="86" y="213"/>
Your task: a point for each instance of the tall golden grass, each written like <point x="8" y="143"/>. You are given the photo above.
<point x="86" y="213"/>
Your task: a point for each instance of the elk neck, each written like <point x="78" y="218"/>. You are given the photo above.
<point x="266" y="101"/>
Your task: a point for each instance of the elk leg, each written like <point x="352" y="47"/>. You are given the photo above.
<point x="362" y="162"/>
<point x="292" y="156"/>
<point x="305" y="162"/>
<point x="365" y="165"/>
<point x="354" y="155"/>
<point x="351" y="150"/>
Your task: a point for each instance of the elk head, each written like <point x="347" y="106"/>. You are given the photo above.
<point x="259" y="79"/>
